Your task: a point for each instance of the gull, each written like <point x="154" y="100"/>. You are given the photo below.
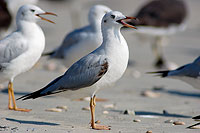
<point x="20" y="50"/>
<point x="102" y="67"/>
<point x="157" y="20"/>
<point x="9" y="8"/>
<point x="81" y="42"/>
<point x="189" y="73"/>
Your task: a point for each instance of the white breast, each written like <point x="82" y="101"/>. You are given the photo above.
<point x="117" y="56"/>
<point x="36" y="43"/>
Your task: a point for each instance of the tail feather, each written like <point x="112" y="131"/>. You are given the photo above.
<point x="33" y="95"/>
<point x="39" y="93"/>
<point x="196" y="117"/>
<point x="160" y="73"/>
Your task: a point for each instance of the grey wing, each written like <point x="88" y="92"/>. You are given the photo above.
<point x="190" y="70"/>
<point x="70" y="40"/>
<point x="11" y="47"/>
<point x="193" y="71"/>
<point x="83" y="73"/>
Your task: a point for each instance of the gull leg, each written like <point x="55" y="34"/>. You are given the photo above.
<point x="9" y="97"/>
<point x="157" y="50"/>
<point x="13" y="100"/>
<point x="92" y="109"/>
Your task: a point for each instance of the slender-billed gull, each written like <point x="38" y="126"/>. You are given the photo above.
<point x="157" y="20"/>
<point x="189" y="73"/>
<point x="81" y="42"/>
<point x="20" y="50"/>
<point x="102" y="67"/>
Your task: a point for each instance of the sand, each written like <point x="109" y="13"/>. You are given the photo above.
<point x="178" y="100"/>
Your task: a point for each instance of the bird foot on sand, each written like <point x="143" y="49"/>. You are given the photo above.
<point x="20" y="109"/>
<point x="101" y="127"/>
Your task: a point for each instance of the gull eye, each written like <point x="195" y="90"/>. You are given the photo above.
<point x="112" y="16"/>
<point x="32" y="10"/>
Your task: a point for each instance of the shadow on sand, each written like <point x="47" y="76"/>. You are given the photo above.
<point x="149" y="113"/>
<point x="143" y="113"/>
<point x="5" y="91"/>
<point x="32" y="122"/>
<point x="178" y="93"/>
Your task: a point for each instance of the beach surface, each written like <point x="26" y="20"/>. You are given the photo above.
<point x="172" y="100"/>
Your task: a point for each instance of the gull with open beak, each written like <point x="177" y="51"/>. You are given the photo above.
<point x="102" y="67"/>
<point x="20" y="50"/>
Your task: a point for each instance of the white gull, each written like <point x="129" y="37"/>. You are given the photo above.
<point x="20" y="50"/>
<point x="102" y="67"/>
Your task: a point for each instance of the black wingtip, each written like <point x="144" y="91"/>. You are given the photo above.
<point x="160" y="73"/>
<point x="31" y="95"/>
<point x="196" y="117"/>
<point x="40" y="92"/>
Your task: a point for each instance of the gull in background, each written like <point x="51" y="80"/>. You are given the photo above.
<point x="5" y="18"/>
<point x="20" y="50"/>
<point x="81" y="42"/>
<point x="157" y="20"/>
<point x="100" y="68"/>
<point x="189" y="73"/>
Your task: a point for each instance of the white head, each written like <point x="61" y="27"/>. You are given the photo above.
<point x="115" y="19"/>
<point x="31" y="13"/>
<point x="96" y="14"/>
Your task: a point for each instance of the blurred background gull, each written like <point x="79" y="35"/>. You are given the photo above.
<point x="158" y="19"/>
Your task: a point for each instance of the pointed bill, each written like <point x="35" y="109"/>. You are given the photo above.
<point x="46" y="13"/>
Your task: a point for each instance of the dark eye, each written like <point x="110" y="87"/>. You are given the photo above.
<point x="32" y="10"/>
<point x="112" y="16"/>
<point x="105" y="21"/>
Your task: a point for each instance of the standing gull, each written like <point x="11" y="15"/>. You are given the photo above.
<point x="102" y="67"/>
<point x="81" y="42"/>
<point x="189" y="73"/>
<point x="157" y="20"/>
<point x="20" y="50"/>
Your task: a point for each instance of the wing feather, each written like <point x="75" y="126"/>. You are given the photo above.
<point x="84" y="73"/>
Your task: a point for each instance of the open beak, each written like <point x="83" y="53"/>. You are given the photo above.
<point x="46" y="13"/>
<point x="121" y="21"/>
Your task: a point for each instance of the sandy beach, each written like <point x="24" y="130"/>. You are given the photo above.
<point x="174" y="100"/>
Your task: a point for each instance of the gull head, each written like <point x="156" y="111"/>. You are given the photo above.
<point x="32" y="13"/>
<point x="96" y="13"/>
<point x="116" y="19"/>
